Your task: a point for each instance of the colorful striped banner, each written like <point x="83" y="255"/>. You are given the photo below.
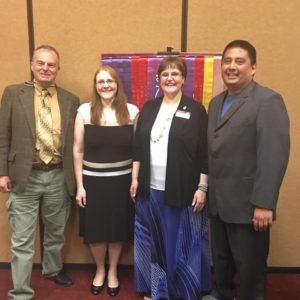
<point x="198" y="80"/>
<point x="208" y="80"/>
<point x="139" y="81"/>
<point x="138" y="74"/>
<point x="189" y="81"/>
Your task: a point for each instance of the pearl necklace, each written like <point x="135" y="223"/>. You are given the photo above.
<point x="162" y="131"/>
<point x="163" y="123"/>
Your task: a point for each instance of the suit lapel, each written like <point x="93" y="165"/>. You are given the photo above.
<point x="27" y="101"/>
<point x="242" y="98"/>
<point x="64" y="113"/>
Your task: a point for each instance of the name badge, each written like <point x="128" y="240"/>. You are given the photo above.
<point x="183" y="114"/>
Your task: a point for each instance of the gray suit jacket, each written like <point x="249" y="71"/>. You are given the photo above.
<point x="248" y="153"/>
<point x="18" y="134"/>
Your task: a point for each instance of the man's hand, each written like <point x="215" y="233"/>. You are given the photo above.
<point x="262" y="218"/>
<point x="5" y="184"/>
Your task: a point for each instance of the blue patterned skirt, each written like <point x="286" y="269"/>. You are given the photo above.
<point x="171" y="259"/>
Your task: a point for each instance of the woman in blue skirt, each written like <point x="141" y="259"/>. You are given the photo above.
<point x="169" y="184"/>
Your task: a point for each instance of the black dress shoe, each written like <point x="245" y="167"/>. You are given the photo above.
<point x="61" y="279"/>
<point x="113" y="291"/>
<point x="95" y="290"/>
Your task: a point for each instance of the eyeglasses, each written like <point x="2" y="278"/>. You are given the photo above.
<point x="102" y="82"/>
<point x="165" y="75"/>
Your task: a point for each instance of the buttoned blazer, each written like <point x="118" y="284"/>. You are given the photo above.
<point x="248" y="152"/>
<point x="18" y="134"/>
<point x="186" y="154"/>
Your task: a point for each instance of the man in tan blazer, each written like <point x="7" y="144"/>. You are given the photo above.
<point x="248" y="149"/>
<point x="33" y="182"/>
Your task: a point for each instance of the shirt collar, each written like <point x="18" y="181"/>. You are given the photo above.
<point x="39" y="88"/>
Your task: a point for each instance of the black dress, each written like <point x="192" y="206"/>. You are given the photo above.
<point x="109" y="212"/>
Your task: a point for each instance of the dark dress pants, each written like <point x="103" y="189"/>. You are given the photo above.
<point x="239" y="248"/>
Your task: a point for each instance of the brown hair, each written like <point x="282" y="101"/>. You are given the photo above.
<point x="119" y="104"/>
<point x="173" y="62"/>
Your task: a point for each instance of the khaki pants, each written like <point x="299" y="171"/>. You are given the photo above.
<point x="45" y="191"/>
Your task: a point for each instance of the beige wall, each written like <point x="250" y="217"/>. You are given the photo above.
<point x="83" y="29"/>
<point x="14" y="56"/>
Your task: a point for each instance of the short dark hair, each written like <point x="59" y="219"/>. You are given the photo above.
<point x="47" y="47"/>
<point x="173" y="62"/>
<point x="244" y="45"/>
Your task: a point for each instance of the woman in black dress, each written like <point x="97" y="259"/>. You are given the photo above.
<point x="103" y="160"/>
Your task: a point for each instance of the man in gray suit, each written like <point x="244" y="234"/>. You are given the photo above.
<point x="248" y="138"/>
<point x="37" y="172"/>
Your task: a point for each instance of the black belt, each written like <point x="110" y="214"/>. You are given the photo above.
<point x="44" y="167"/>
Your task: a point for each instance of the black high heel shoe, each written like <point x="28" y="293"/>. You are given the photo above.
<point x="113" y="292"/>
<point x="96" y="290"/>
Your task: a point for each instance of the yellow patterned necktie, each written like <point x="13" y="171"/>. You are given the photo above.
<point x="44" y="132"/>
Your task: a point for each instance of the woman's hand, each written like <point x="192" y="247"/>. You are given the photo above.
<point x="133" y="189"/>
<point x="199" y="201"/>
<point x="81" y="197"/>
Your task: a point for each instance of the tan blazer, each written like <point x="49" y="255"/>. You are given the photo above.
<point x="18" y="134"/>
<point x="248" y="152"/>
